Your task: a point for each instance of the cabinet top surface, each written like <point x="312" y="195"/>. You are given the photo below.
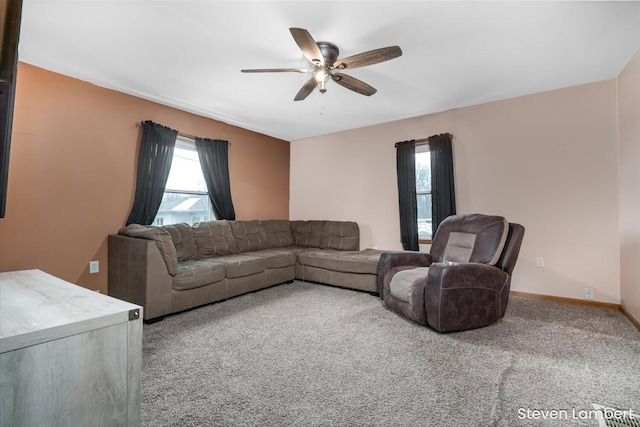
<point x="38" y="307"/>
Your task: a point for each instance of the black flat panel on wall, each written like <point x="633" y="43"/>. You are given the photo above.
<point x="10" y="12"/>
<point x="6" y="99"/>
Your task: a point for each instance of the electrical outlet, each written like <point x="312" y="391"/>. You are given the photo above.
<point x="540" y="262"/>
<point x="94" y="267"/>
<point x="588" y="293"/>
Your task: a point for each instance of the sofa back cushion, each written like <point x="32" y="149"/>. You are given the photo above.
<point x="162" y="239"/>
<point x="340" y="235"/>
<point x="278" y="233"/>
<point x="307" y="233"/>
<point x="249" y="235"/>
<point x="182" y="237"/>
<point x="214" y="238"/>
<point x="470" y="238"/>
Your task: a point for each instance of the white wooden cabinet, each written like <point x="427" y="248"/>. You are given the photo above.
<point x="68" y="356"/>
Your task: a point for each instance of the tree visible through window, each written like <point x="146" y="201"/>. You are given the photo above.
<point x="185" y="198"/>
<point x="423" y="191"/>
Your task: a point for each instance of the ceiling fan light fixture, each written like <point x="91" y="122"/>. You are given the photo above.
<point x="322" y="75"/>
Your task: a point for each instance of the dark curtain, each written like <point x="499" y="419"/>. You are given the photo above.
<point x="154" y="164"/>
<point x="443" y="198"/>
<point x="214" y="159"/>
<point x="406" y="167"/>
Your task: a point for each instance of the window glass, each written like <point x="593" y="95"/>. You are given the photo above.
<point x="185" y="198"/>
<point x="186" y="173"/>
<point x="423" y="191"/>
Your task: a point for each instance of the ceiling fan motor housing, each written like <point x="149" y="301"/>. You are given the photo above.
<point x="329" y="52"/>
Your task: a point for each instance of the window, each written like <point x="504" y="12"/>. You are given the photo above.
<point x="423" y="192"/>
<point x="185" y="198"/>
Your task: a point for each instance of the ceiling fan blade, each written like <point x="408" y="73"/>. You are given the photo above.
<point x="307" y="45"/>
<point x="368" y="58"/>
<point x="276" y="70"/>
<point x="305" y="90"/>
<point x="353" y="84"/>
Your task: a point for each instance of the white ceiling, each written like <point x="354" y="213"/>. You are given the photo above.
<point x="455" y="54"/>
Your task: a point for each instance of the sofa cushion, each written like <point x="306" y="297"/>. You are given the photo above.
<point x="249" y="235"/>
<point x="162" y="239"/>
<point x="278" y="233"/>
<point x="340" y="235"/>
<point x="214" y="238"/>
<point x="307" y="233"/>
<point x="365" y="261"/>
<point x="182" y="237"/>
<point x="274" y="258"/>
<point x="296" y="250"/>
<point x="470" y="238"/>
<point x="193" y="274"/>
<point x="241" y="265"/>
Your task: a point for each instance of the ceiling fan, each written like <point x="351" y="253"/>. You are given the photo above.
<point x="325" y="64"/>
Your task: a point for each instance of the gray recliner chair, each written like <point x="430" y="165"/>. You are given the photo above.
<point x="463" y="283"/>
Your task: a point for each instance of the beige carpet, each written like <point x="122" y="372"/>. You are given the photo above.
<point x="305" y="354"/>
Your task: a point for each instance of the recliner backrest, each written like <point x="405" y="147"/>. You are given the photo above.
<point x="470" y="238"/>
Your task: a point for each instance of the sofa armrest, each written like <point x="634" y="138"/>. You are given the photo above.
<point x="390" y="260"/>
<point x="460" y="296"/>
<point x="138" y="274"/>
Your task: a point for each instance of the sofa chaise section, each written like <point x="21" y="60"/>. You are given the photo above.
<point x="347" y="269"/>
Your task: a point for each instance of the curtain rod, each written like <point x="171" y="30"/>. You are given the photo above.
<point x="425" y="141"/>
<point x="422" y="141"/>
<point x="184" y="135"/>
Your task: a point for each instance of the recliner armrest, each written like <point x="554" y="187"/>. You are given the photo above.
<point x="389" y="260"/>
<point x="449" y="275"/>
<point x="460" y="296"/>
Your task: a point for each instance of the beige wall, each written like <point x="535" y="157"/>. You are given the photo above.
<point x="72" y="172"/>
<point x="629" y="126"/>
<point x="548" y="161"/>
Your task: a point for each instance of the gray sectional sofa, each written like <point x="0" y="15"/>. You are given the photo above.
<point x="177" y="267"/>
